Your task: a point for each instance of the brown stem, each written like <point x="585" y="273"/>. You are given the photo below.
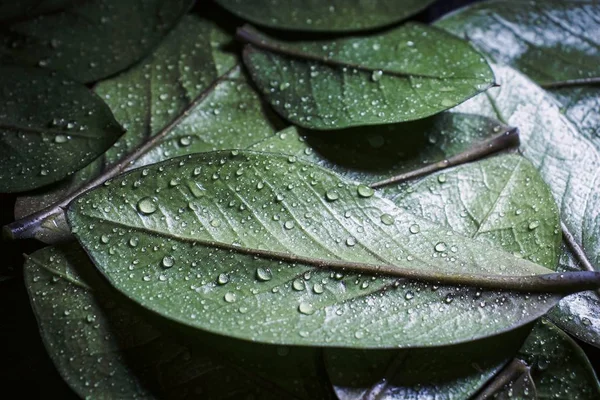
<point x="571" y="82"/>
<point x="505" y="140"/>
<point x="509" y="373"/>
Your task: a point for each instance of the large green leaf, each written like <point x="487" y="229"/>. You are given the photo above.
<point x="411" y="149"/>
<point x="407" y="73"/>
<point x="549" y="40"/>
<point x="265" y="247"/>
<point x="317" y="15"/>
<point x="203" y="104"/>
<point x="92" y="39"/>
<point x="567" y="160"/>
<point x="50" y="127"/>
<point x="501" y="201"/>
<point x="106" y="348"/>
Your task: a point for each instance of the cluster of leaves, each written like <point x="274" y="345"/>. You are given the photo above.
<point x="339" y="204"/>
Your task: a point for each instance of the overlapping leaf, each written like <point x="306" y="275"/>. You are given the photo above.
<point x="507" y="205"/>
<point x="315" y="15"/>
<point x="232" y="243"/>
<point x="547" y="43"/>
<point x="404" y="74"/>
<point x="105" y="347"/>
<point x="91" y="40"/>
<point x="374" y="155"/>
<point x="179" y="101"/>
<point x="50" y="127"/>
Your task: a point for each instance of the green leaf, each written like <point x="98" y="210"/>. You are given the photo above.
<point x="404" y="74"/>
<point x="106" y="348"/>
<point x="581" y="105"/>
<point x="372" y="155"/>
<point x="204" y="104"/>
<point x="566" y="159"/>
<point x="91" y="40"/>
<point x="558" y="366"/>
<point x="230" y="232"/>
<point x="550" y="41"/>
<point x="501" y="200"/>
<point x="336" y="16"/>
<point x="10" y="9"/>
<point x="50" y="127"/>
<point x="444" y="373"/>
<point x="494" y="201"/>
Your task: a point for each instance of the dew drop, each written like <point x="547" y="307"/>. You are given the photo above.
<point x="387" y="219"/>
<point x="222" y="279"/>
<point x="332" y="195"/>
<point x="415" y="228"/>
<point x="440" y="247"/>
<point x="147" y="206"/>
<point x="306" y="308"/>
<point x="263" y="274"/>
<point x="533" y="225"/>
<point x="298" y="285"/>
<point x="230" y="297"/>
<point x="365" y="191"/>
<point x="289" y="225"/>
<point x="168" y="261"/>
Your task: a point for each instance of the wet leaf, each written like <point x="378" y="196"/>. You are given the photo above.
<point x="404" y="74"/>
<point x="104" y="346"/>
<point x="567" y="160"/>
<point x="239" y="230"/>
<point x="310" y="15"/>
<point x="502" y="201"/>
<point x="494" y="201"/>
<point x="50" y="127"/>
<point x="443" y="373"/>
<point x="374" y="154"/>
<point x="176" y="102"/>
<point x="557" y="365"/>
<point x="550" y="41"/>
<point x="554" y="42"/>
<point x="91" y="40"/>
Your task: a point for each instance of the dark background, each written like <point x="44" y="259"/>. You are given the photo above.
<point x="25" y="368"/>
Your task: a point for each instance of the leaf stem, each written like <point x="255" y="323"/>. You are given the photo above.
<point x="575" y="248"/>
<point x="509" y="373"/>
<point x="571" y="82"/>
<point x="505" y="140"/>
<point x="28" y="227"/>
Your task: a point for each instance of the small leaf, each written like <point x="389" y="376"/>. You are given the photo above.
<point x="93" y="39"/>
<point x="204" y="104"/>
<point x="404" y="74"/>
<point x="307" y="15"/>
<point x="50" y="127"/>
<point x="231" y="214"/>
<point x="567" y="160"/>
<point x="105" y="347"/>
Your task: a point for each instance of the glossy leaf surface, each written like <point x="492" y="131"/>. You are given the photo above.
<point x="50" y="127"/>
<point x="91" y="40"/>
<point x="549" y="41"/>
<point x="105" y="347"/>
<point x="231" y="233"/>
<point x="315" y="15"/>
<point x="567" y="160"/>
<point x="404" y="74"/>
